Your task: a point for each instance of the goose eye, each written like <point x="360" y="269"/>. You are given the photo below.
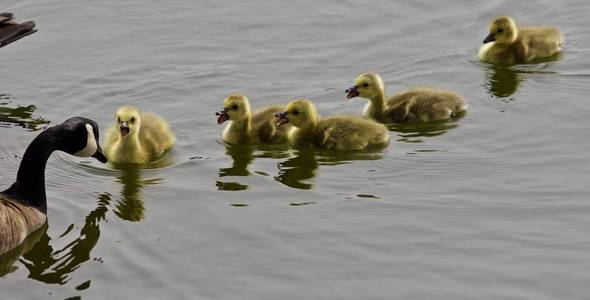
<point x="132" y="120"/>
<point x="234" y="107"/>
<point x="500" y="30"/>
<point x="365" y="84"/>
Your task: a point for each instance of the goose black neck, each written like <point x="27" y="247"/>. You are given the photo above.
<point x="30" y="180"/>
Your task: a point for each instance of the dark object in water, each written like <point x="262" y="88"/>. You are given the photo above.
<point x="11" y="31"/>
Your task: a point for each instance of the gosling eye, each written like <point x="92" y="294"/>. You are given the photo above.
<point x="295" y="112"/>
<point x="500" y="30"/>
<point x="132" y="120"/>
<point x="234" y="107"/>
<point x="365" y="85"/>
<point x="118" y="120"/>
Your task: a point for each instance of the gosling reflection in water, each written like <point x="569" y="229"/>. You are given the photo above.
<point x="21" y="116"/>
<point x="241" y="157"/>
<point x="502" y="81"/>
<point x="298" y="170"/>
<point x="131" y="207"/>
<point x="414" y="133"/>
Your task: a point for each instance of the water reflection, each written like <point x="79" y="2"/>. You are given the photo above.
<point x="20" y="116"/>
<point x="414" y="132"/>
<point x="54" y="266"/>
<point x="241" y="157"/>
<point x="501" y="81"/>
<point x="302" y="166"/>
<point x="296" y="170"/>
<point x="130" y="207"/>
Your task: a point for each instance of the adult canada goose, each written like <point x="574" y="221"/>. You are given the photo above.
<point x="509" y="44"/>
<point x="335" y="132"/>
<point x="137" y="137"/>
<point x="11" y="31"/>
<point x="247" y="128"/>
<point x="23" y="206"/>
<point x="415" y="104"/>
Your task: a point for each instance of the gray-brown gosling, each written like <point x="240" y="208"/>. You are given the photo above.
<point x="11" y="31"/>
<point x="416" y="104"/>
<point x="137" y="137"/>
<point x="335" y="132"/>
<point x="23" y="206"/>
<point x="246" y="127"/>
<point x="509" y="44"/>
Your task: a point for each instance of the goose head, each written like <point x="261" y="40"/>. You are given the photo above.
<point x="235" y="108"/>
<point x="79" y="136"/>
<point x="299" y="113"/>
<point x="367" y="85"/>
<point x="503" y="30"/>
<point x="128" y="121"/>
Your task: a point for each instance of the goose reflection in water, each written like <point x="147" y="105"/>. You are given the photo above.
<point x="21" y="116"/>
<point x="416" y="132"/>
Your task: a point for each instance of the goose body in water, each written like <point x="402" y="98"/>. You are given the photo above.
<point x="11" y="31"/>
<point x="23" y="206"/>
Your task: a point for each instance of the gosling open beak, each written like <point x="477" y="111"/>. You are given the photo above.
<point x="124" y="128"/>
<point x="281" y="118"/>
<point x="352" y="92"/>
<point x="222" y="116"/>
<point x="490" y="38"/>
<point x="99" y="155"/>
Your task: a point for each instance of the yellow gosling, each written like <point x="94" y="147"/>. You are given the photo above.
<point x="247" y="128"/>
<point x="509" y="44"/>
<point x="137" y="137"/>
<point x="415" y="104"/>
<point x="336" y="132"/>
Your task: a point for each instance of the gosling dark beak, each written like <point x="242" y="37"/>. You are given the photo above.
<point x="281" y="118"/>
<point x="352" y="92"/>
<point x="124" y="128"/>
<point x="490" y="38"/>
<point x="99" y="155"/>
<point x="222" y="116"/>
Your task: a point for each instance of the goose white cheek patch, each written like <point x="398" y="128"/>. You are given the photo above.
<point x="91" y="145"/>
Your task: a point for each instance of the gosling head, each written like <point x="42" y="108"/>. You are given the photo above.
<point x="367" y="85"/>
<point x="128" y="121"/>
<point x="503" y="30"/>
<point x="78" y="136"/>
<point x="235" y="108"/>
<point x="300" y="113"/>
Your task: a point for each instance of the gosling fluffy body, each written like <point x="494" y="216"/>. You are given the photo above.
<point x="416" y="104"/>
<point x="509" y="44"/>
<point x="246" y="127"/>
<point x="336" y="132"/>
<point x="137" y="137"/>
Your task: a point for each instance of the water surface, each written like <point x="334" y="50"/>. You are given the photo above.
<point x="491" y="206"/>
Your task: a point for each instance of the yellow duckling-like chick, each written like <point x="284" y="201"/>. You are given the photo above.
<point x="335" y="132"/>
<point x="416" y="104"/>
<point x="509" y="44"/>
<point x="137" y="137"/>
<point x="247" y="128"/>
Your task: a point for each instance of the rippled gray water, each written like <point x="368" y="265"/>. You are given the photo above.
<point x="492" y="206"/>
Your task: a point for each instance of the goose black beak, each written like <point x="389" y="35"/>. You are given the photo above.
<point x="352" y="92"/>
<point x="99" y="155"/>
<point x="281" y="118"/>
<point x="490" y="38"/>
<point x="222" y="116"/>
<point x="124" y="128"/>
